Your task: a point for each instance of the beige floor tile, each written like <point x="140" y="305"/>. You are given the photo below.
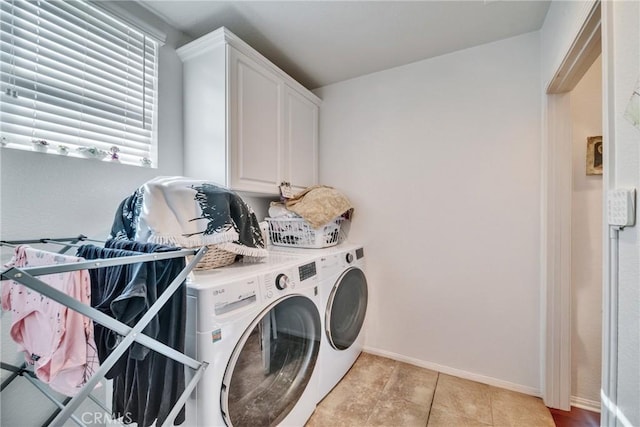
<point x="318" y="419"/>
<point x="352" y="412"/>
<point x="469" y="399"/>
<point x="345" y="393"/>
<point x="512" y="409"/>
<point x="442" y="416"/>
<point x="371" y="371"/>
<point x="411" y="383"/>
<point x="382" y="392"/>
<point x="349" y="403"/>
<point x="398" y="412"/>
<point x="353" y="400"/>
<point x="330" y="418"/>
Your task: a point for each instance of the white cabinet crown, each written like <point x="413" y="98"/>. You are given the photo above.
<point x="247" y="124"/>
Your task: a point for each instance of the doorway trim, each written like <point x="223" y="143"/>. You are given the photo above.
<point x="556" y="203"/>
<point x="609" y="386"/>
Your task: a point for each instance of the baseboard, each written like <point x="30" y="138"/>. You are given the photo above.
<point x="456" y="372"/>
<point x="589" y="405"/>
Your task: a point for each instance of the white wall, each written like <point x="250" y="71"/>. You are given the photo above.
<point x="441" y="159"/>
<point x="586" y="242"/>
<point x="623" y="61"/>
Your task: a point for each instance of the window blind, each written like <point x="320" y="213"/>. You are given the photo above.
<point x="76" y="81"/>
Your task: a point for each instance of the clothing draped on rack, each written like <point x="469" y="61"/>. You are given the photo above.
<point x="146" y="384"/>
<point x="56" y="340"/>
<point x="120" y="292"/>
<point x="179" y="211"/>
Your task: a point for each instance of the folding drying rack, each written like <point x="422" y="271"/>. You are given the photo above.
<point x="131" y="334"/>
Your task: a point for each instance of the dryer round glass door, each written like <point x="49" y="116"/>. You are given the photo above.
<point x="272" y="363"/>
<point x="346" y="309"/>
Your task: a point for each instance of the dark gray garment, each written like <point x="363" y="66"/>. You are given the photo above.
<point x="151" y="387"/>
<point x="124" y="293"/>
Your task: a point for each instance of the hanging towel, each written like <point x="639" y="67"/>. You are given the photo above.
<point x="55" y="339"/>
<point x="319" y="205"/>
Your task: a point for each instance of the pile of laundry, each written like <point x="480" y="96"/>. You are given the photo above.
<point x="318" y="205"/>
<point x="310" y="219"/>
<point x="183" y="212"/>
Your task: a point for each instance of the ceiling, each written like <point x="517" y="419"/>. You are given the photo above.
<point x="324" y="42"/>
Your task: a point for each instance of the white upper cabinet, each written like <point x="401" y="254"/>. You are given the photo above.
<point x="301" y="140"/>
<point x="247" y="124"/>
<point x="255" y="127"/>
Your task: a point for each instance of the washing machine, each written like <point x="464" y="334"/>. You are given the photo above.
<point x="260" y="329"/>
<point x="343" y="306"/>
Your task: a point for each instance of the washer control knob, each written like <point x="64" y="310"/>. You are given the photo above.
<point x="349" y="258"/>
<point x="282" y="281"/>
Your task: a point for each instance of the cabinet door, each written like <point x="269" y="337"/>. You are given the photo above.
<point x="205" y="118"/>
<point x="301" y="140"/>
<point x="255" y="125"/>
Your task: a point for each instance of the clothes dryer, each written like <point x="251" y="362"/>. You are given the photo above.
<point x="343" y="305"/>
<point x="260" y="329"/>
<point x="344" y="298"/>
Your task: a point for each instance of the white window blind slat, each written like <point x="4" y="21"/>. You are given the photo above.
<point x="54" y="80"/>
<point x="57" y="133"/>
<point x="26" y="56"/>
<point x="17" y="114"/>
<point x="53" y="84"/>
<point x="51" y="98"/>
<point x="73" y="55"/>
<point x="52" y="17"/>
<point x="28" y="30"/>
<point x="74" y="76"/>
<point x="104" y="27"/>
<point x="76" y="143"/>
<point x="40" y="41"/>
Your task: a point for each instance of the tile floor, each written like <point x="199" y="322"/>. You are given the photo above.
<point x="382" y="392"/>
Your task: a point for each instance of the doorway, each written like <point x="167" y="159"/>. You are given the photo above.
<point x="557" y="224"/>
<point x="586" y="239"/>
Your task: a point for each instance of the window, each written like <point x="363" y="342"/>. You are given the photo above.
<point x="76" y="81"/>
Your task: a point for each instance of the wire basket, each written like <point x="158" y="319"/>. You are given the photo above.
<point x="297" y="232"/>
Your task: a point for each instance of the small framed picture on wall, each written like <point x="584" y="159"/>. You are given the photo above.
<point x="594" y="155"/>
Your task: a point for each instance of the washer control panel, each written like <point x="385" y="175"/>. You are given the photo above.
<point x="287" y="280"/>
<point x="307" y="271"/>
<point x="278" y="282"/>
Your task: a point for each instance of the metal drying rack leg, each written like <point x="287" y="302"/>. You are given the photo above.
<point x="37" y="384"/>
<point x="185" y="395"/>
<point x="15" y="372"/>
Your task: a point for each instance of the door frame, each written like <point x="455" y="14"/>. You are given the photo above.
<point x="556" y="210"/>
